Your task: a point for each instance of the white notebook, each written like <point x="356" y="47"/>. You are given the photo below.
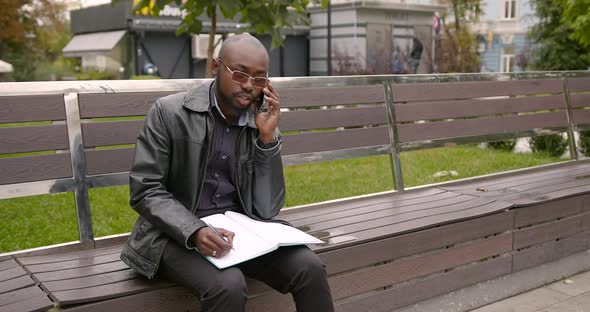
<point x="254" y="238"/>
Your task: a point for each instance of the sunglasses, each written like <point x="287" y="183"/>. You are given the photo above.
<point x="241" y="77"/>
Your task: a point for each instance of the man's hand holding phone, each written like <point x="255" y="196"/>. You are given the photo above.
<point x="267" y="121"/>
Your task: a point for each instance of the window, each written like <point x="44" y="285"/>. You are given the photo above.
<point x="507" y="60"/>
<point x="509" y="9"/>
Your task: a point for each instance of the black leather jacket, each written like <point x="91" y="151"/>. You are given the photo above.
<point x="168" y="172"/>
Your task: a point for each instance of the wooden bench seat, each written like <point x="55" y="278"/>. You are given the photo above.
<point x="98" y="275"/>
<point x="18" y="291"/>
<point x="382" y="251"/>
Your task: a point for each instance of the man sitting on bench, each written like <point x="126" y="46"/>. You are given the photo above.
<point x="210" y="150"/>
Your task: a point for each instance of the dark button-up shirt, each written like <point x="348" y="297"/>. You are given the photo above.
<point x="219" y="192"/>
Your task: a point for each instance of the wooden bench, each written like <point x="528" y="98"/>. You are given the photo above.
<point x="383" y="251"/>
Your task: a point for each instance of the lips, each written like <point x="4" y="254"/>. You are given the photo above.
<point x="244" y="99"/>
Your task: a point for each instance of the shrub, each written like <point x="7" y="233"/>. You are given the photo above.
<point x="584" y="142"/>
<point x="505" y="145"/>
<point x="553" y="144"/>
<point x="97" y="75"/>
<point x="143" y="77"/>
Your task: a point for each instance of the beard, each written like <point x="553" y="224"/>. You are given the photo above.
<point x="230" y="101"/>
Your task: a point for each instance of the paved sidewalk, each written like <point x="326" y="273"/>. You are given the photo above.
<point x="568" y="295"/>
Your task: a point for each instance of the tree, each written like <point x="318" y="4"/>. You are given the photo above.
<point x="555" y="49"/>
<point x="13" y="23"/>
<point x="34" y="33"/>
<point x="263" y="17"/>
<point x="577" y="16"/>
<point x="459" y="45"/>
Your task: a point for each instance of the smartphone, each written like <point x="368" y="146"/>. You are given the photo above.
<point x="261" y="104"/>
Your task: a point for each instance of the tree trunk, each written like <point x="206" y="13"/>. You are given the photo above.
<point x="456" y="14"/>
<point x="211" y="46"/>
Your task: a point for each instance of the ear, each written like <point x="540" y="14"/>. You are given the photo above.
<point x="214" y="66"/>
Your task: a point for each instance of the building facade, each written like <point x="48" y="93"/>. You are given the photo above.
<point x="503" y="35"/>
<point x="367" y="37"/>
<point x="114" y="38"/>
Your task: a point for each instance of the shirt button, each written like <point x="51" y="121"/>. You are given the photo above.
<point x="223" y="156"/>
<point x="227" y="130"/>
<point x="217" y="195"/>
<point x="216" y="175"/>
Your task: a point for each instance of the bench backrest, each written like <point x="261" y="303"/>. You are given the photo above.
<point x="448" y="113"/>
<point x="324" y="118"/>
<point x="33" y="130"/>
<point x="579" y="97"/>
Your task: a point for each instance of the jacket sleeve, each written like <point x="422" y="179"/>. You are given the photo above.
<point x="147" y="182"/>
<point x="268" y="182"/>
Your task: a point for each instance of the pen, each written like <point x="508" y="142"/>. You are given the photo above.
<point x="218" y="234"/>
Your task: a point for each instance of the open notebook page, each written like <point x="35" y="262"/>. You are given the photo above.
<point x="247" y="245"/>
<point x="275" y="233"/>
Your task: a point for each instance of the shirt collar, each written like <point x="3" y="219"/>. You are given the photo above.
<point x="242" y="121"/>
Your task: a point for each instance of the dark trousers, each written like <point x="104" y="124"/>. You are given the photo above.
<point x="296" y="270"/>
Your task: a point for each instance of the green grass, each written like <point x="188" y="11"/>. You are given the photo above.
<point x="50" y="219"/>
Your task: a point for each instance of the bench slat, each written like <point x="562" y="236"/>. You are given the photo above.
<point x="551" y="210"/>
<point x="396" y="297"/>
<point x="332" y="118"/>
<point x="518" y="178"/>
<point x="550" y="231"/>
<point x="12" y="273"/>
<point x="31" y="305"/>
<point x="479" y="126"/>
<point x="91" y="281"/>
<point x="333" y="140"/>
<point x="16" y="283"/>
<point x="578" y="84"/>
<point x="8" y="264"/>
<point x="35" y="168"/>
<point x="323" y="96"/>
<point x="581" y="116"/>
<point x="25" y="299"/>
<point x="469" y="108"/>
<point x="111" y="133"/>
<point x="125" y="132"/>
<point x="580" y="100"/>
<point x="120" y="160"/>
<point x="413" y="204"/>
<point x="32" y="108"/>
<point x="81" y="272"/>
<point x="550" y="251"/>
<point x="73" y="255"/>
<point x="539" y="192"/>
<point x="33" y="139"/>
<point x="109" y="161"/>
<point x="117" y="104"/>
<point x="523" y="185"/>
<point x="319" y="210"/>
<point x="166" y="299"/>
<point x="417" y="225"/>
<point x="348" y="226"/>
<point x="71" y="264"/>
<point x="554" y="194"/>
<point x="348" y="258"/>
<point x="365" y="280"/>
<point x="398" y="212"/>
<point x="109" y="291"/>
<point x="465" y="90"/>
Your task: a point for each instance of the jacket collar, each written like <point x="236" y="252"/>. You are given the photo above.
<point x="198" y="99"/>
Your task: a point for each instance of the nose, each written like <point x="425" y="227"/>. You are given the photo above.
<point x="248" y="85"/>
